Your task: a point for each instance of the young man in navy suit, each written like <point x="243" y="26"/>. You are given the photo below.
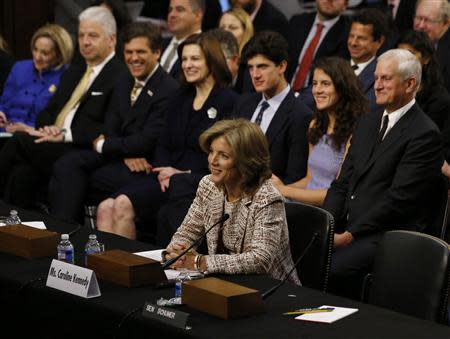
<point x="386" y="178"/>
<point x="133" y="125"/>
<point x="283" y="118"/>
<point x="74" y="116"/>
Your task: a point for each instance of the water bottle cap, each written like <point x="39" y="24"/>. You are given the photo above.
<point x="92" y="237"/>
<point x="64" y="236"/>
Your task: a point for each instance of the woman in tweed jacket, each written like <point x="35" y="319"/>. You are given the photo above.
<point x="255" y="238"/>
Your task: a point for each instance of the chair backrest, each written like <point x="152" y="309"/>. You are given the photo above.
<point x="438" y="207"/>
<point x="303" y="221"/>
<point x="411" y="275"/>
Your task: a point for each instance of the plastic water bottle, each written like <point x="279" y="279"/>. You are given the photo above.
<point x="13" y="218"/>
<point x="65" y="250"/>
<point x="92" y="246"/>
<point x="183" y="276"/>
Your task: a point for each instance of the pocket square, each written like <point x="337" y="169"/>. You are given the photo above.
<point x="94" y="94"/>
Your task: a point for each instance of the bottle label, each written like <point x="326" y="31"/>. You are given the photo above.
<point x="178" y="289"/>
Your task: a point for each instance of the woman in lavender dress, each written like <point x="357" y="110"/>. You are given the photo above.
<point x="339" y="102"/>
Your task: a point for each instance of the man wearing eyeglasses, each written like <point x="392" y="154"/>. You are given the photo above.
<point x="433" y="18"/>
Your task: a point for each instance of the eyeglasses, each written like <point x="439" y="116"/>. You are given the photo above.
<point x="426" y="20"/>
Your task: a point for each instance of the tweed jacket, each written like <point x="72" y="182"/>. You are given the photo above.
<point x="258" y="231"/>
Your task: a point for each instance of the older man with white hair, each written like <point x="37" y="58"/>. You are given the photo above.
<point x="387" y="173"/>
<point x="433" y="18"/>
<point x="72" y="119"/>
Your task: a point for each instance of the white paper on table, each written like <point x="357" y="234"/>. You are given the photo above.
<point x="170" y="273"/>
<point x="328" y="317"/>
<point x="35" y="224"/>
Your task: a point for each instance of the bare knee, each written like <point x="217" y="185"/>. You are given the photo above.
<point x="105" y="215"/>
<point x="123" y="209"/>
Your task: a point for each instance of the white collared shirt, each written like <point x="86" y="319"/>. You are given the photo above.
<point x="361" y="65"/>
<point x="69" y="118"/>
<point x="269" y="113"/>
<point x="327" y="25"/>
<point x="396" y="115"/>
<point x="101" y="142"/>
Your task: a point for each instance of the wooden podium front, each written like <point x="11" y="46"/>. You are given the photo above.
<point x="221" y="298"/>
<point x="28" y="242"/>
<point x="126" y="269"/>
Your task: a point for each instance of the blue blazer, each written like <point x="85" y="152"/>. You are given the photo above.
<point x="134" y="130"/>
<point x="178" y="145"/>
<point x="288" y="144"/>
<point x="367" y="80"/>
<point x="26" y="93"/>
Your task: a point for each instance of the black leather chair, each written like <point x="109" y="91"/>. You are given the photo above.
<point x="438" y="207"/>
<point x="304" y="221"/>
<point x="411" y="275"/>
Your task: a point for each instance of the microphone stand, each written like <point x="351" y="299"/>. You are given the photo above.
<point x="270" y="291"/>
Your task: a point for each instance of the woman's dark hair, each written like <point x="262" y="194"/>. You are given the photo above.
<point x="431" y="74"/>
<point x="350" y="105"/>
<point x="215" y="60"/>
<point x="119" y="11"/>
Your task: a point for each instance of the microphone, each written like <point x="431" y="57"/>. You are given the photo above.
<point x="277" y="286"/>
<point x="169" y="263"/>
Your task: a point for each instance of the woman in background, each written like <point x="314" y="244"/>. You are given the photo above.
<point x="31" y="83"/>
<point x="338" y="103"/>
<point x="254" y="239"/>
<point x="239" y="23"/>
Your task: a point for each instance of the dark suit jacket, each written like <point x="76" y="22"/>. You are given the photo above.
<point x="89" y="118"/>
<point x="333" y="44"/>
<point x="385" y="187"/>
<point x="134" y="130"/>
<point x="175" y="71"/>
<point x="178" y="145"/>
<point x="367" y="81"/>
<point x="443" y="56"/>
<point x="270" y="18"/>
<point x="286" y="135"/>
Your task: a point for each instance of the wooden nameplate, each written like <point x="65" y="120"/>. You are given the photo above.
<point x="28" y="242"/>
<point x="221" y="298"/>
<point x="126" y="269"/>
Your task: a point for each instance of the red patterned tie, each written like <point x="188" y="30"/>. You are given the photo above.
<point x="305" y="65"/>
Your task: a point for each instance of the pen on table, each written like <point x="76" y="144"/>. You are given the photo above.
<point x="310" y="310"/>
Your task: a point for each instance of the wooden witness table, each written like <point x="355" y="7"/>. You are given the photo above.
<point x="28" y="307"/>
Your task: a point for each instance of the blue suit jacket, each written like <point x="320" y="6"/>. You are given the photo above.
<point x="367" y="81"/>
<point x="178" y="146"/>
<point x="134" y="130"/>
<point x="26" y="93"/>
<point x="286" y="134"/>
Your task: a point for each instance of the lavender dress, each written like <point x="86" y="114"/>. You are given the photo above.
<point x="324" y="163"/>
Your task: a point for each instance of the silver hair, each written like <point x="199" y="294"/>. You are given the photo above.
<point x="408" y="66"/>
<point x="102" y="16"/>
<point x="444" y="9"/>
